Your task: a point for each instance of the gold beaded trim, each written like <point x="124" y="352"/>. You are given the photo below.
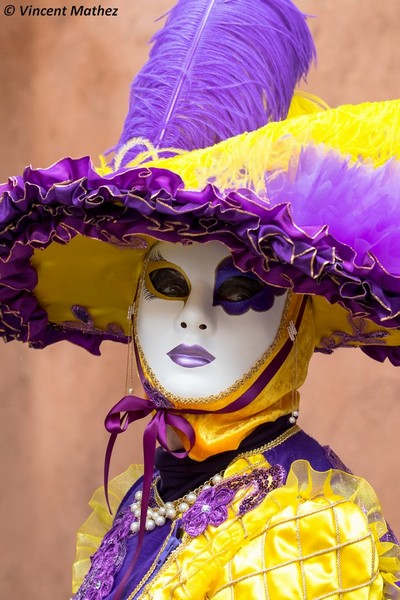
<point x="186" y="498"/>
<point x="220" y="476"/>
<point x="269" y="445"/>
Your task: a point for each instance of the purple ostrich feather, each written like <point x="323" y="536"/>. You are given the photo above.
<point x="218" y="68"/>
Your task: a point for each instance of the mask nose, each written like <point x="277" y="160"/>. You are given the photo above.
<point x="197" y="312"/>
<point x="201" y="326"/>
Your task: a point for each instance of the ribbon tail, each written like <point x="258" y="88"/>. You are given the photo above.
<point x="107" y="460"/>
<point x="149" y="452"/>
<point x="132" y="409"/>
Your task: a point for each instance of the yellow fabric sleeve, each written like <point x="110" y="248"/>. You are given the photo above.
<point x="322" y="544"/>
<point x="316" y="537"/>
<point x="92" y="531"/>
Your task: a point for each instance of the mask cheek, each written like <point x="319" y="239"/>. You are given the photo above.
<point x="260" y="302"/>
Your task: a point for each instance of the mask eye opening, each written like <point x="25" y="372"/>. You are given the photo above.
<point x="166" y="281"/>
<point x="238" y="288"/>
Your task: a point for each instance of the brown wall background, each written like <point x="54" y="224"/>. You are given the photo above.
<point x="64" y="90"/>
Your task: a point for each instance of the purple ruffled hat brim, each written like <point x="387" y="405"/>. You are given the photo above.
<point x="326" y="228"/>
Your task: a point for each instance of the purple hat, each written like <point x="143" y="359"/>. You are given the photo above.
<point x="307" y="202"/>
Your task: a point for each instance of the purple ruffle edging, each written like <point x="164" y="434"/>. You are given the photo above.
<point x="325" y="228"/>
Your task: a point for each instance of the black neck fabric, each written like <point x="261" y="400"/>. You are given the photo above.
<point x="181" y="475"/>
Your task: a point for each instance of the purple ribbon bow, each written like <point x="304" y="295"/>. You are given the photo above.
<point x="133" y="408"/>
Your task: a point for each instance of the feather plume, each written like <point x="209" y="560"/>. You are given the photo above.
<point x="217" y="68"/>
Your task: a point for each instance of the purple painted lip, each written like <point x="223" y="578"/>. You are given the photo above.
<point x="190" y="356"/>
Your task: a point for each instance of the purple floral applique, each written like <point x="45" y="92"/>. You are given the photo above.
<point x="87" y="325"/>
<point x="211" y="506"/>
<point x="359" y="335"/>
<point x="81" y="313"/>
<point x="107" y="561"/>
<point x="110" y="555"/>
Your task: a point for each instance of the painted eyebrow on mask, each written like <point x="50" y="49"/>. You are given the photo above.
<point x="155" y="255"/>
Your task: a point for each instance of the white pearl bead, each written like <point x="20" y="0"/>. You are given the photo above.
<point x="136" y="512"/>
<point x="206" y="487"/>
<point x="138" y="495"/>
<point x="295" y="413"/>
<point x="217" y="478"/>
<point x="161" y="510"/>
<point x="169" y="505"/>
<point x="292" y="420"/>
<point x="134" y="526"/>
<point x="191" y="498"/>
<point x="183" y="507"/>
<point x="134" y="506"/>
<point x="159" y="520"/>
<point x="170" y="513"/>
<point x="130" y="390"/>
<point x="150" y="524"/>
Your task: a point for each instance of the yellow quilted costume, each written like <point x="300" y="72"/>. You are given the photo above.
<point x="316" y="537"/>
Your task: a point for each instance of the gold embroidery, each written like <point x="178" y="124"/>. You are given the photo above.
<point x="304" y="558"/>
<point x="270" y="445"/>
<point x="300" y="556"/>
<point x="349" y="589"/>
<point x="264" y="566"/>
<point x="338" y="557"/>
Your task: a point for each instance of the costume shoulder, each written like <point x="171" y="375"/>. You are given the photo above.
<point x="100" y="521"/>
<point x="323" y="541"/>
<point x="320" y="535"/>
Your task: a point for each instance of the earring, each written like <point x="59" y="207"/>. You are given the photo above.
<point x="292" y="331"/>
<point x="129" y="379"/>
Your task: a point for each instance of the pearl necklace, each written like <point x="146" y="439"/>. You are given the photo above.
<point x="157" y="516"/>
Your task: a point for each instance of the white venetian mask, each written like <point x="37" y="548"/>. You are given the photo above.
<point x="201" y="323"/>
